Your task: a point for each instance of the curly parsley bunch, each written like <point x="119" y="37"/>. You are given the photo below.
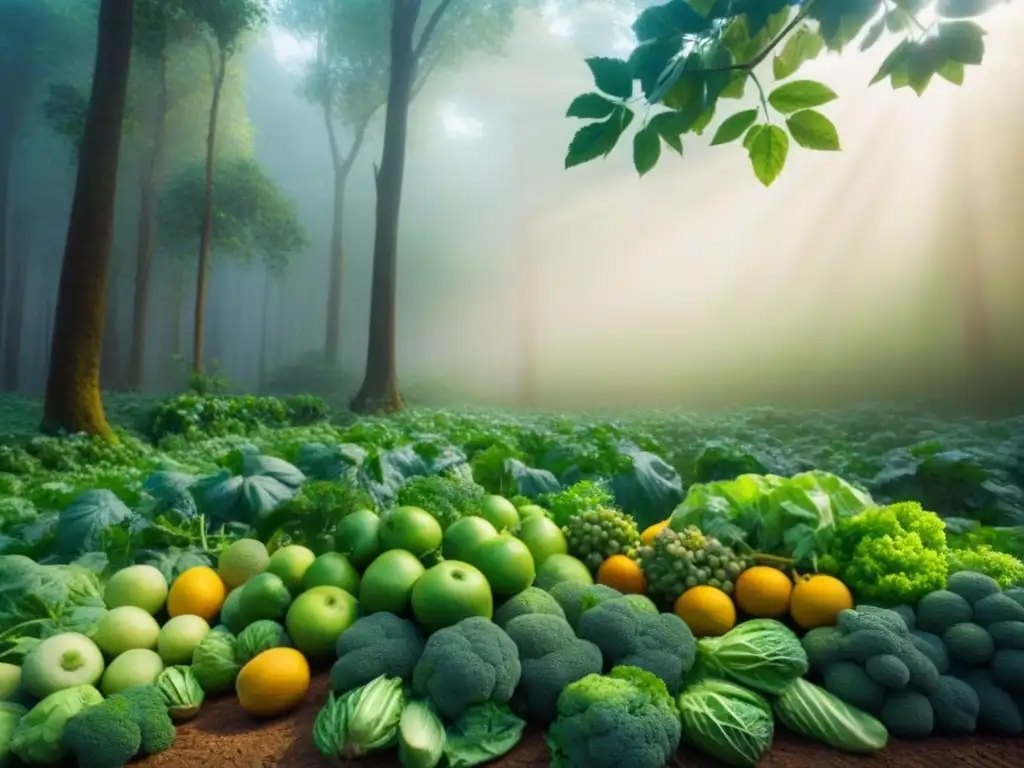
<point x="890" y="555"/>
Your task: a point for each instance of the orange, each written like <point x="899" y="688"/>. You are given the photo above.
<point x="198" y="591"/>
<point x="763" y="592"/>
<point x="622" y="573"/>
<point x="708" y="611"/>
<point x="818" y="600"/>
<point x="273" y="682"/>
<point x="650" y="534"/>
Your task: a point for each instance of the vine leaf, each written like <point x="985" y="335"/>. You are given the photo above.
<point x="804" y="45"/>
<point x="670" y="126"/>
<point x="596" y="140"/>
<point x="612" y="76"/>
<point x="800" y="94"/>
<point x="591" y="106"/>
<point x="734" y="126"/>
<point x="646" y="149"/>
<point x="812" y="130"/>
<point x="768" y="151"/>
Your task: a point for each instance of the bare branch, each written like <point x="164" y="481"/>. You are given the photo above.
<point x="431" y="25"/>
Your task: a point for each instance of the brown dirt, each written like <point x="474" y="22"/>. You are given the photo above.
<point x="225" y="737"/>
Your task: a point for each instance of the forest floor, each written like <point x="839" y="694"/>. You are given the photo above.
<point x="223" y="736"/>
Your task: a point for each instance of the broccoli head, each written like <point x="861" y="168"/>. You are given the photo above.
<point x="447" y="498"/>
<point x="624" y="718"/>
<point x="471" y="662"/>
<point x="152" y="717"/>
<point x="104" y="736"/>
<point x="375" y="645"/>
<point x="552" y="657"/>
<point x="627" y="635"/>
<point x="577" y="598"/>
<point x="530" y="600"/>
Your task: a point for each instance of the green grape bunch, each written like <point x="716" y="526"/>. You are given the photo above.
<point x="676" y="561"/>
<point x="597" y="534"/>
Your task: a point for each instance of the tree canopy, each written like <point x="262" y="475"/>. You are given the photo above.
<point x="251" y="215"/>
<point x="693" y="54"/>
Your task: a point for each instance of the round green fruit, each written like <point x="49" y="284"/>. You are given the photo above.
<point x="140" y="585"/>
<point x="332" y="570"/>
<point x="10" y="680"/>
<point x="506" y="562"/>
<point x="264" y="597"/>
<point x="241" y="561"/>
<point x="318" y="617"/>
<point x="543" y="538"/>
<point x="388" y="581"/>
<point x="530" y="511"/>
<point x="179" y="638"/>
<point x="126" y="628"/>
<point x="230" y="615"/>
<point x="559" y="568"/>
<point x="410" y="528"/>
<point x="358" y="537"/>
<point x="500" y="512"/>
<point x="290" y="564"/>
<point x="450" y="592"/>
<point x="139" y="666"/>
<point x="465" y="535"/>
<point x="59" y="662"/>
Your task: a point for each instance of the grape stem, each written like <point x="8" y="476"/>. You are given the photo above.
<point x="776" y="560"/>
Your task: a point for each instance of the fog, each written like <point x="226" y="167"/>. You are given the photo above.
<point x="891" y="269"/>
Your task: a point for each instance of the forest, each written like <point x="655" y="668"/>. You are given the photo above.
<point x="573" y="383"/>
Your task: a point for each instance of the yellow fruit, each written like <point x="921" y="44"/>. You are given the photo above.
<point x="622" y="573"/>
<point x="650" y="534"/>
<point x="273" y="682"/>
<point x="763" y="592"/>
<point x="198" y="591"/>
<point x="817" y="601"/>
<point x="708" y="611"/>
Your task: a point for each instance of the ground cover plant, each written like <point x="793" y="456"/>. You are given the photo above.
<point x="695" y="579"/>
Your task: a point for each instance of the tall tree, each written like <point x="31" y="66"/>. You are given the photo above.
<point x="444" y="30"/>
<point x="226" y="24"/>
<point x="73" y="402"/>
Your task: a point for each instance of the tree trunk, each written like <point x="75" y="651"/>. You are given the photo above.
<point x="177" y="310"/>
<point x="379" y="391"/>
<point x="8" y="130"/>
<point x="18" y="262"/>
<point x="264" y="331"/>
<point x="332" y="348"/>
<point x="207" y="230"/>
<point x="148" y="183"/>
<point x="73" y="401"/>
<point x="110" y="359"/>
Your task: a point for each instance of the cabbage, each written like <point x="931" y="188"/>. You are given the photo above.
<point x="10" y="716"/>
<point x="181" y="691"/>
<point x="762" y="654"/>
<point x="421" y="736"/>
<point x="361" y="721"/>
<point x="727" y="722"/>
<point x="36" y="738"/>
<point x="258" y="637"/>
<point x="815" y="713"/>
<point x="213" y="662"/>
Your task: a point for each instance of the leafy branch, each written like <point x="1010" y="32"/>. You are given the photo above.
<point x="691" y="54"/>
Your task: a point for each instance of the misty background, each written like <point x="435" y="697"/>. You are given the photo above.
<point x="890" y="270"/>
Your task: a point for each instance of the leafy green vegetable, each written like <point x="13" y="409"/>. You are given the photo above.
<point x="813" y="712"/>
<point x="762" y="654"/>
<point x="421" y="736"/>
<point x="361" y="721"/>
<point x="728" y="722"/>
<point x="213" y="661"/>
<point x="890" y="555"/>
<point x="36" y="738"/>
<point x="81" y="525"/>
<point x="481" y="734"/>
<point x="181" y="691"/>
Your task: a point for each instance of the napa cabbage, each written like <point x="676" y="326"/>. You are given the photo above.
<point x="762" y="654"/>
<point x="811" y="711"/>
<point x="728" y="722"/>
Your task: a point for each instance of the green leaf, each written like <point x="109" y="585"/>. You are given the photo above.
<point x="734" y="126"/>
<point x="965" y="9"/>
<point x="672" y="19"/>
<point x="896" y="59"/>
<point x="737" y="85"/>
<point x="611" y="76"/>
<point x="596" y="140"/>
<point x="803" y="45"/>
<point x="962" y="41"/>
<point x="953" y="72"/>
<point x="703" y="120"/>
<point x="703" y="7"/>
<point x="768" y="152"/>
<point x="670" y="126"/>
<point x="800" y="94"/>
<point x="874" y="35"/>
<point x="840" y="22"/>
<point x="646" y="149"/>
<point x="751" y="137"/>
<point x="686" y="90"/>
<point x="653" y="60"/>
<point x="812" y="130"/>
<point x="591" y="106"/>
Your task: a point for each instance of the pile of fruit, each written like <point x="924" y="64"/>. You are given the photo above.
<point x="445" y="639"/>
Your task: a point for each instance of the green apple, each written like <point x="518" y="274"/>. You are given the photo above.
<point x="290" y="564"/>
<point x="317" y="618"/>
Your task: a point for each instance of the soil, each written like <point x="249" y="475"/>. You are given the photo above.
<point x="223" y="736"/>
